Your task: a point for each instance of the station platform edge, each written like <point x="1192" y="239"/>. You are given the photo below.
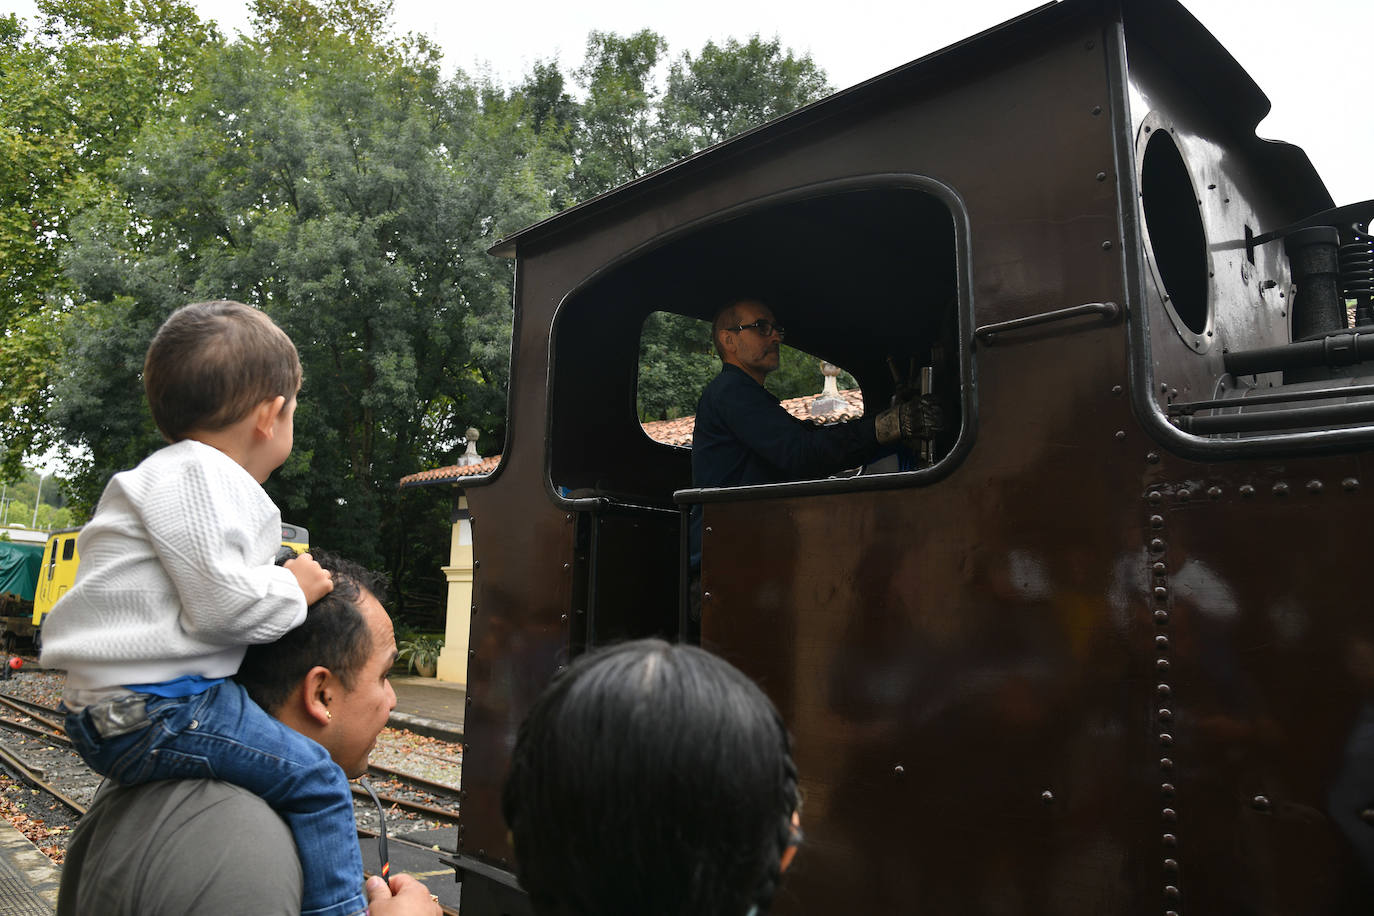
<point x="429" y="707"/>
<point x="28" y="879"/>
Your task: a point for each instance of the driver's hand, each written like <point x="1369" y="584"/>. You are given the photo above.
<point x="911" y="420"/>
<point x="929" y="420"/>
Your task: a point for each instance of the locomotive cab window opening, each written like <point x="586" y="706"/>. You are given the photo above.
<point x="863" y="278"/>
<point x="862" y="274"/>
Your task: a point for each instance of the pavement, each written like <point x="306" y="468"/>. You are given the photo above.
<point x="28" y="879"/>
<point x="429" y="707"/>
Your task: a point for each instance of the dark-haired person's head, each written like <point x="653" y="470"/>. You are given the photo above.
<point x="211" y="363"/>
<point x="651" y="778"/>
<point x="327" y="678"/>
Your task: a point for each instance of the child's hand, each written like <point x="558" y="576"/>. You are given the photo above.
<point x="314" y="579"/>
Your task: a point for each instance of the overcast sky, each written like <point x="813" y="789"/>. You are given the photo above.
<point x="1308" y="56"/>
<point x="1305" y="55"/>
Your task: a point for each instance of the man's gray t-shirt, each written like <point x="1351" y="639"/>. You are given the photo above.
<point x="180" y="846"/>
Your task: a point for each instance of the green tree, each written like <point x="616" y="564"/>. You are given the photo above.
<point x="676" y="361"/>
<point x="723" y="91"/>
<point x="547" y="105"/>
<point x="18" y="495"/>
<point x="327" y="174"/>
<point x="73" y="95"/>
<point x="799" y="375"/>
<point x="729" y="88"/>
<point x="543" y="106"/>
<point x="621" y="136"/>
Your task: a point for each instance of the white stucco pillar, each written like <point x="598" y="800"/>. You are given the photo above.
<point x="453" y="659"/>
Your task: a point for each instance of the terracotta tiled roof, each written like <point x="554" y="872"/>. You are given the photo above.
<point x="451" y="473"/>
<point x="679" y="431"/>
<point x="669" y="432"/>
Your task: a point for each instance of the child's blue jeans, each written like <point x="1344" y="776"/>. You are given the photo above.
<point x="222" y="734"/>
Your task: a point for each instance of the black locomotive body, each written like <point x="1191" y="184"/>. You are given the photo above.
<point x="1106" y="652"/>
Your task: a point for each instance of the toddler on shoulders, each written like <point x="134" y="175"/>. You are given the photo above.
<point x="177" y="578"/>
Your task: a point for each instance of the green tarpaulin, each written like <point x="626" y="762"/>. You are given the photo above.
<point x="19" y="568"/>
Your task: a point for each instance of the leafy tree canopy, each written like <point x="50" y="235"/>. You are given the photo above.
<point x="326" y="171"/>
<point x="729" y="88"/>
<point x="74" y="94"/>
<point x="329" y="176"/>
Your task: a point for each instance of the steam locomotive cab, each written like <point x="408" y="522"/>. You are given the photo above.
<point x="1085" y="656"/>
<point x="897" y="296"/>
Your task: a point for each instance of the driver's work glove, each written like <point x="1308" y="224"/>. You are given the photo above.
<point x="911" y="420"/>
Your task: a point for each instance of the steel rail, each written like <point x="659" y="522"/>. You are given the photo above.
<point x="18" y="706"/>
<point x="388" y="772"/>
<point x="20" y="726"/>
<point x="447" y="814"/>
<point x="41" y="708"/>
<point x="33" y="779"/>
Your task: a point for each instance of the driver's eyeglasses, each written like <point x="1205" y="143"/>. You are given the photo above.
<point x="763" y="326"/>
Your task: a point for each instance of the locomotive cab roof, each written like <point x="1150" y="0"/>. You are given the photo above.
<point x="915" y="218"/>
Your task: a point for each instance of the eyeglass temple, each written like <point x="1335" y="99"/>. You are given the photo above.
<point x="381" y="830"/>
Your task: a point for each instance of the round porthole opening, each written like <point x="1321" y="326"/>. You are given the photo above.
<point x="1178" y="245"/>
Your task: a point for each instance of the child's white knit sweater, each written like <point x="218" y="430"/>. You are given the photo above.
<point x="176" y="575"/>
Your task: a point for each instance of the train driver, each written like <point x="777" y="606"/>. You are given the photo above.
<point x="201" y="846"/>
<point x="744" y="436"/>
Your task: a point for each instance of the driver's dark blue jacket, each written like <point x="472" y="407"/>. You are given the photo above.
<point x="744" y="436"/>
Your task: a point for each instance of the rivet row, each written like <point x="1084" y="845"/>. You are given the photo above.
<point x="1164" y="691"/>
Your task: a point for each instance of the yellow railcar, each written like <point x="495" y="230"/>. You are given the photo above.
<point x="57" y="573"/>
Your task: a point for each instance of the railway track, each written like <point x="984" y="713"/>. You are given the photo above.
<point x="53" y="717"/>
<point x="423" y="797"/>
<point x="34" y="778"/>
<point x="420" y="809"/>
<point x="41" y="754"/>
<point x="54" y="784"/>
<point x="45" y="787"/>
<point x="439" y="789"/>
<point x="47" y="718"/>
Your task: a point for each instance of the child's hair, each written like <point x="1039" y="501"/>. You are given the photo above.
<point x="211" y="363"/>
<point x="651" y="778"/>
